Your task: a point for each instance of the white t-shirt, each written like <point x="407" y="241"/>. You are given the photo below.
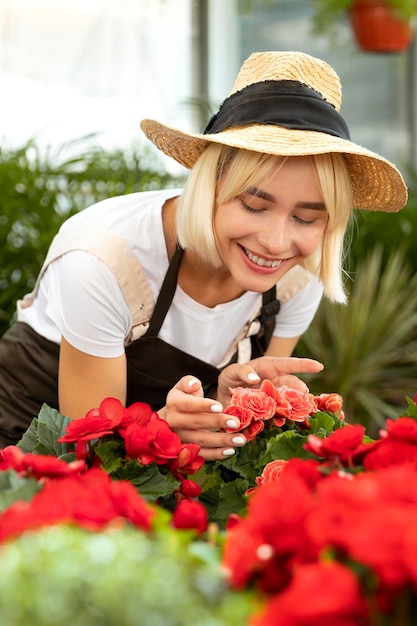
<point x="79" y="297"/>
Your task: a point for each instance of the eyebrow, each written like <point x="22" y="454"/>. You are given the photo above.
<point x="260" y="193"/>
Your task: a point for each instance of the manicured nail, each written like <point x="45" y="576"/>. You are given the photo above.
<point x="253" y="376"/>
<point x="216" y="408"/>
<point x="192" y="382"/>
<point x="232" y="424"/>
<point x="228" y="452"/>
<point x="238" y="440"/>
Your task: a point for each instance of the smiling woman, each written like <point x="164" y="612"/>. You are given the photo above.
<point x="156" y="296"/>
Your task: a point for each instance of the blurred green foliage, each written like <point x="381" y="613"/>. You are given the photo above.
<point x="42" y="188"/>
<point x="123" y="577"/>
<point x="369" y="347"/>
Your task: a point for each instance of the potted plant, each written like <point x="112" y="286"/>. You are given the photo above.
<point x="378" y="25"/>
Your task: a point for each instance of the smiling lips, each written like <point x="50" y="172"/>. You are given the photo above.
<point x="261" y="261"/>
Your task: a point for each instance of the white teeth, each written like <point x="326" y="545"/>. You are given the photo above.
<point x="260" y="260"/>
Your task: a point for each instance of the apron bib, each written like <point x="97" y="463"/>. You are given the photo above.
<point x="155" y="366"/>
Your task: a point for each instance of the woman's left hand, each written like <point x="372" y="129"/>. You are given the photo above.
<point x="279" y="370"/>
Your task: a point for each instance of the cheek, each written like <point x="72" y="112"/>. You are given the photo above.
<point x="309" y="242"/>
<point x="228" y="222"/>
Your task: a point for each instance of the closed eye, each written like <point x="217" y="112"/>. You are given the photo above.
<point x="300" y="220"/>
<point x="248" y="208"/>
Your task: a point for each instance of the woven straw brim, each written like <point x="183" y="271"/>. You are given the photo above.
<point x="377" y="183"/>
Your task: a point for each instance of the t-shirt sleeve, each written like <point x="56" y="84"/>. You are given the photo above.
<point x="296" y="315"/>
<point x="87" y="304"/>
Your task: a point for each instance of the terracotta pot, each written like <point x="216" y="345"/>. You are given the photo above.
<point x="377" y="28"/>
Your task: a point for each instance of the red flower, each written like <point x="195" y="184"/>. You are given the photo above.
<point x="233" y="520"/>
<point x="46" y="466"/>
<point x="155" y="442"/>
<point x="302" y="404"/>
<point x="397" y="446"/>
<point x="15" y="520"/>
<point x="320" y="594"/>
<point x="138" y="413"/>
<point x="244" y="416"/>
<point x="402" y="429"/>
<point x="253" y="429"/>
<point x="271" y="472"/>
<point x="342" y="443"/>
<point x="332" y="402"/>
<point x="260" y="403"/>
<point x="189" y="488"/>
<point x="130" y="505"/>
<point x="12" y="457"/>
<point x="263" y="546"/>
<point x="37" y="465"/>
<point x="366" y="517"/>
<point x="387" y="453"/>
<point x="308" y="470"/>
<point x="188" y="461"/>
<point x="191" y="515"/>
<point x="91" y="500"/>
<point x="97" y="422"/>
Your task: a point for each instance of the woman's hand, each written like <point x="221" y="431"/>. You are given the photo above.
<point x="197" y="419"/>
<point x="279" y="370"/>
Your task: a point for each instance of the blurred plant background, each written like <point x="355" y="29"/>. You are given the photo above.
<point x="40" y="189"/>
<point x="66" y="575"/>
<point x="369" y="347"/>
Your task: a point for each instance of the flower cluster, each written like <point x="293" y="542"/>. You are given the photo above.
<point x="117" y="452"/>
<point x="277" y="406"/>
<point x="319" y="519"/>
<point x="337" y="530"/>
<point x="68" y="493"/>
<point x="136" y="434"/>
<point x="276" y="422"/>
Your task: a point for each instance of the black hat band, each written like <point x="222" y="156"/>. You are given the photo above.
<point x="285" y="103"/>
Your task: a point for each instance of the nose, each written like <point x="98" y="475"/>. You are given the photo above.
<point x="276" y="237"/>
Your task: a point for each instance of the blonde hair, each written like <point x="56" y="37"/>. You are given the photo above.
<point x="240" y="169"/>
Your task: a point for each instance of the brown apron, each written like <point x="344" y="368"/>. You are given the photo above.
<point x="29" y="363"/>
<point x="28" y="378"/>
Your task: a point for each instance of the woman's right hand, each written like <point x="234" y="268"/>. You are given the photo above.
<point x="279" y="370"/>
<point x="196" y="419"/>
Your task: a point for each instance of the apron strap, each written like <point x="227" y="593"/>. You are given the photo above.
<point x="166" y="294"/>
<point x="270" y="309"/>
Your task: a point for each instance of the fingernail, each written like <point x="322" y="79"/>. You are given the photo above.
<point x="228" y="452"/>
<point x="253" y="376"/>
<point x="232" y="424"/>
<point x="216" y="408"/>
<point x="192" y="382"/>
<point x="238" y="440"/>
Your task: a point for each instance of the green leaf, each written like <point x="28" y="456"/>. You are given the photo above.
<point x="286" y="446"/>
<point x="246" y="462"/>
<point x="44" y="432"/>
<point x="232" y="499"/>
<point x="111" y="453"/>
<point x="323" y="422"/>
<point x="148" y="480"/>
<point x="411" y="408"/>
<point x="13" y="488"/>
<point x="29" y="441"/>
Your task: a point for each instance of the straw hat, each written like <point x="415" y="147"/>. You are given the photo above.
<point x="288" y="103"/>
